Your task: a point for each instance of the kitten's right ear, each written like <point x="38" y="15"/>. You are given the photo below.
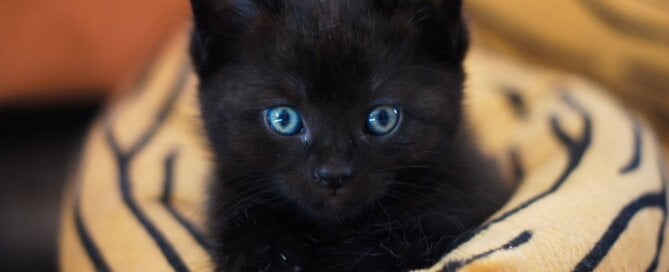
<point x="218" y="26"/>
<point x="222" y="16"/>
<point x="217" y="23"/>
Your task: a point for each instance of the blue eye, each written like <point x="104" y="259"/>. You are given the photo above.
<point x="284" y="120"/>
<point x="382" y="120"/>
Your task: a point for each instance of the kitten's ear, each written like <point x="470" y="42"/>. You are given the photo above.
<point x="223" y="16"/>
<point x="218" y="26"/>
<point x="443" y="25"/>
<point x="447" y="10"/>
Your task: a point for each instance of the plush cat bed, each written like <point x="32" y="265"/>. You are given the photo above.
<point x="591" y="189"/>
<point x="620" y="43"/>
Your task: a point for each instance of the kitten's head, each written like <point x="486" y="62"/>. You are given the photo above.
<point x="329" y="104"/>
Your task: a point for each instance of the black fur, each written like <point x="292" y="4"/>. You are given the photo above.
<point x="411" y="192"/>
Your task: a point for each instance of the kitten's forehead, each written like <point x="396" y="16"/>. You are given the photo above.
<point x="311" y="53"/>
<point x="325" y="53"/>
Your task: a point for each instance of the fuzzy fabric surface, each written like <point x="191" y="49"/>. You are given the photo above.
<point x="591" y="185"/>
<point x="621" y="44"/>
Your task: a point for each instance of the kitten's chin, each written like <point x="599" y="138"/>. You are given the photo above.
<point x="335" y="205"/>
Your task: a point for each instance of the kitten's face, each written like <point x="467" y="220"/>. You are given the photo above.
<point x="328" y="106"/>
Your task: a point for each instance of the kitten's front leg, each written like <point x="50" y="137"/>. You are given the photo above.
<point x="254" y="239"/>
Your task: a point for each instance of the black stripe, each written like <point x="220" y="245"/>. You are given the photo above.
<point x="89" y="245"/>
<point x="516" y="100"/>
<point x="660" y="242"/>
<point x="635" y="161"/>
<point x="158" y="119"/>
<point x="576" y="148"/>
<point x="124" y="161"/>
<point x="171" y="255"/>
<point x="660" y="236"/>
<point x="521" y="239"/>
<point x="619" y="224"/>
<point x="166" y="199"/>
<point x="516" y="167"/>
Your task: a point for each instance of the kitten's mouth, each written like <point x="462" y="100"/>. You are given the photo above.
<point x="335" y="199"/>
<point x="334" y="203"/>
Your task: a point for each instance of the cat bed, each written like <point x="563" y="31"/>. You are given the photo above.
<point x="622" y="44"/>
<point x="591" y="188"/>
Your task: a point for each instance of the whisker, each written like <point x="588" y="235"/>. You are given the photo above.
<point x="401" y="167"/>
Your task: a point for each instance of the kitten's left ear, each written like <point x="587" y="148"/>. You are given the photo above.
<point x="230" y="16"/>
<point x="444" y="28"/>
<point x="449" y="30"/>
<point x="218" y="26"/>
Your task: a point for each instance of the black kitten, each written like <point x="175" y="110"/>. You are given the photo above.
<point x="338" y="134"/>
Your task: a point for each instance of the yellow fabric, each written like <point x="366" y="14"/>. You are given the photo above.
<point x="590" y="181"/>
<point x="621" y="43"/>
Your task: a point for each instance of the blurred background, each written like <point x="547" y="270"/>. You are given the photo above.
<point x="61" y="60"/>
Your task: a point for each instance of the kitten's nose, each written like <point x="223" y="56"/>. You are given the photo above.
<point x="333" y="177"/>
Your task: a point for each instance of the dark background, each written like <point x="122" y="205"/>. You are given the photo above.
<point x="38" y="147"/>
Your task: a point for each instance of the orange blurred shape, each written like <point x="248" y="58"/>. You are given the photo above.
<point x="54" y="50"/>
